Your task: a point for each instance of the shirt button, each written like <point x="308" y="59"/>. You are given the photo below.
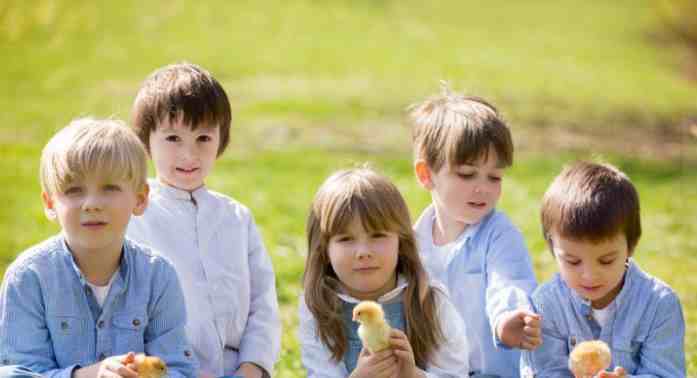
<point x="136" y="322"/>
<point x="101" y="356"/>
<point x="100" y="324"/>
<point x="187" y="353"/>
<point x="64" y="325"/>
<point x="589" y="317"/>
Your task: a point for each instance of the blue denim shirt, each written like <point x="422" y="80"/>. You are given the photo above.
<point x="645" y="332"/>
<point x="488" y="272"/>
<point x="50" y="321"/>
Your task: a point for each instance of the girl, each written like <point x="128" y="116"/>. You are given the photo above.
<point x="362" y="247"/>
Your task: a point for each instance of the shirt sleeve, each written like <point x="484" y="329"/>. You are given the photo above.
<point x="165" y="335"/>
<point x="510" y="277"/>
<point x="261" y="340"/>
<point x="315" y="357"/>
<point x="452" y="357"/>
<point x="549" y="359"/>
<point x="24" y="337"/>
<point x="662" y="354"/>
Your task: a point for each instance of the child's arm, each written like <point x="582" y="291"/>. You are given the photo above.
<point x="662" y="354"/>
<point x="315" y="357"/>
<point x="24" y="336"/>
<point x="510" y="278"/>
<point x="165" y="336"/>
<point x="261" y="341"/>
<point x="551" y="358"/>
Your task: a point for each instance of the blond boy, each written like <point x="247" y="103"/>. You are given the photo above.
<point x="462" y="148"/>
<point x="73" y="305"/>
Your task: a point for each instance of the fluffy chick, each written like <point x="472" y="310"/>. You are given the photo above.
<point x="374" y="330"/>
<point x="589" y="358"/>
<point x="150" y="366"/>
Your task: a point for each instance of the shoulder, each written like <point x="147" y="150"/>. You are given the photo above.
<point x="648" y="286"/>
<point x="550" y="292"/>
<point x="498" y="223"/>
<point x="145" y="258"/>
<point x="36" y="258"/>
<point x="229" y="205"/>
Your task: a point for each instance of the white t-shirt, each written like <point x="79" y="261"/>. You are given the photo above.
<point x="100" y="292"/>
<point x="602" y="315"/>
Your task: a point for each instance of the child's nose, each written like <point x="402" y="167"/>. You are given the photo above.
<point x="92" y="202"/>
<point x="363" y="250"/>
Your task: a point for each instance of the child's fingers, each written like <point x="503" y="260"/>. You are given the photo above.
<point x="397" y="334"/>
<point x="532" y="320"/>
<point x="533" y="332"/>
<point x="385" y="363"/>
<point x="381" y="355"/>
<point x="128" y="358"/>
<point x="400" y="343"/>
<point x="620" y="372"/>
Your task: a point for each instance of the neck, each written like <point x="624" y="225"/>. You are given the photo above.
<point x="446" y="230"/>
<point x="97" y="266"/>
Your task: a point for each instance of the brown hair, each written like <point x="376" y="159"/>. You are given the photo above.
<point x="181" y="92"/>
<point x="89" y="146"/>
<point x="590" y="201"/>
<point x="452" y="129"/>
<point x="379" y="205"/>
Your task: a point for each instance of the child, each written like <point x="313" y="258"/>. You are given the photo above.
<point x="73" y="305"/>
<point x="182" y="115"/>
<point x="462" y="148"/>
<point x="361" y="247"/>
<point x="590" y="219"/>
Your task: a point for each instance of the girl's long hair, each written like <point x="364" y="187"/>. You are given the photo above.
<point x="377" y="202"/>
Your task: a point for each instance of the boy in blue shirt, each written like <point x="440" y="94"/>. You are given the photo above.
<point x="76" y="304"/>
<point x="590" y="219"/>
<point x="462" y="148"/>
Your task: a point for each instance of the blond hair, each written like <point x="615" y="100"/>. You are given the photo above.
<point x="89" y="146"/>
<point x="377" y="202"/>
<point x="452" y="129"/>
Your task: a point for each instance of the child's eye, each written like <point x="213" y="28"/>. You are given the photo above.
<point x="343" y="238"/>
<point x="73" y="190"/>
<point x="172" y="138"/>
<point x="495" y="178"/>
<point x="112" y="188"/>
<point x="465" y="176"/>
<point x="573" y="262"/>
<point x="204" y="138"/>
<point x="607" y="262"/>
<point x="379" y="234"/>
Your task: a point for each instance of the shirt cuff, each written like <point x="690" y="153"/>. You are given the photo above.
<point x="497" y="342"/>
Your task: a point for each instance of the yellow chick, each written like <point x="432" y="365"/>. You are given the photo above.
<point x="589" y="358"/>
<point x="150" y="366"/>
<point x="374" y="330"/>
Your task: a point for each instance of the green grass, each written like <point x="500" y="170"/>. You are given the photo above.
<point x="321" y="85"/>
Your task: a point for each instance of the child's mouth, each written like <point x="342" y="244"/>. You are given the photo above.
<point x="187" y="171"/>
<point x="478" y="205"/>
<point x="93" y="224"/>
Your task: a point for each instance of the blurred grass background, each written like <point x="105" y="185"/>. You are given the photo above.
<point x="318" y="85"/>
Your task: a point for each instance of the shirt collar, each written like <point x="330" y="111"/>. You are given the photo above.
<point x="402" y="284"/>
<point x="467" y="234"/>
<point x="123" y="264"/>
<point x="171" y="192"/>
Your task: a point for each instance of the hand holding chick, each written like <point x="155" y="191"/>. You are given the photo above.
<point x="146" y="366"/>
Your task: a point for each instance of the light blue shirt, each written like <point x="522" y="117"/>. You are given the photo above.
<point x="51" y="323"/>
<point x="488" y="272"/>
<point x="645" y="331"/>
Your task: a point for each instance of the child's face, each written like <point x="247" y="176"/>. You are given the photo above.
<point x="466" y="193"/>
<point x="365" y="262"/>
<point x="183" y="157"/>
<point x="594" y="270"/>
<point x="95" y="212"/>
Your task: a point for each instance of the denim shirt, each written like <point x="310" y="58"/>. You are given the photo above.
<point x="394" y="315"/>
<point x="487" y="272"/>
<point x="50" y="321"/>
<point x="645" y="332"/>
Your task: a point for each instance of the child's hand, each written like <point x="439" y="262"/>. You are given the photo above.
<point x="619" y="372"/>
<point x="382" y="364"/>
<point x="118" y="367"/>
<point x="520" y="329"/>
<point x="405" y="355"/>
<point x="249" y="370"/>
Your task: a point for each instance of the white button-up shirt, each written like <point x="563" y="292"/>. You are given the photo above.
<point x="450" y="360"/>
<point x="225" y="272"/>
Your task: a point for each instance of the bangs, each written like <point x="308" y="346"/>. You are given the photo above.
<point x="373" y="214"/>
<point x="87" y="149"/>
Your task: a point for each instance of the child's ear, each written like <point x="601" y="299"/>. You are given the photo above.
<point x="141" y="200"/>
<point x="48" y="206"/>
<point x="423" y="174"/>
